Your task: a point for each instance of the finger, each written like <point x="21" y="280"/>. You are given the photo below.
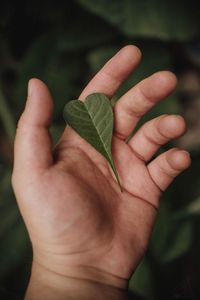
<point x="148" y="139"/>
<point x="114" y="72"/>
<point x="110" y="77"/>
<point x="141" y="98"/>
<point x="33" y="147"/>
<point x="167" y="166"/>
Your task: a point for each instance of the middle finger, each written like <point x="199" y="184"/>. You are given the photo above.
<point x="141" y="98"/>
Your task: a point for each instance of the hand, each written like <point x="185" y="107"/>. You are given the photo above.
<point x="80" y="224"/>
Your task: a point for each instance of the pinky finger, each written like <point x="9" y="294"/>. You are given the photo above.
<point x="164" y="168"/>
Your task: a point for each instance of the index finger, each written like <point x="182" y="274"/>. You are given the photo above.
<point x="114" y="72"/>
<point x="111" y="76"/>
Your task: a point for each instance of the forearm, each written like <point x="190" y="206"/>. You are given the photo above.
<point x="45" y="284"/>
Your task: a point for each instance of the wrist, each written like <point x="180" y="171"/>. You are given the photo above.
<point x="47" y="284"/>
<point x="79" y="267"/>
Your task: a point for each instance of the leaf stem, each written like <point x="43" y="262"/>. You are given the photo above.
<point x="6" y="117"/>
<point x="116" y="175"/>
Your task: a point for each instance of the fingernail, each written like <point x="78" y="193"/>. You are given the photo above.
<point x="186" y="152"/>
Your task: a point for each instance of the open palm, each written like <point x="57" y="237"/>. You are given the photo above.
<point x="78" y="219"/>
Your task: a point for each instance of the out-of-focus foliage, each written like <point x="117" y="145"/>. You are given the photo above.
<point x="64" y="43"/>
<point x="166" y="20"/>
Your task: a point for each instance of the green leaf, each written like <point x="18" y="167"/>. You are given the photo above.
<point x="179" y="243"/>
<point x="171" y="238"/>
<point x="194" y="207"/>
<point x="7" y="117"/>
<point x="74" y="37"/>
<point x="93" y="121"/>
<point x="191" y="210"/>
<point x="61" y="72"/>
<point x="13" y="248"/>
<point x="142" y="282"/>
<point x="164" y="20"/>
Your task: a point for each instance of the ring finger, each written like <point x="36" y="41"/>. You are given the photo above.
<point x="155" y="133"/>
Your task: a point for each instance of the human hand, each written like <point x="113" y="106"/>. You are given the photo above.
<point x="80" y="224"/>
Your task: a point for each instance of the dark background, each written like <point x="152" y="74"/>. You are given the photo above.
<point x="64" y="43"/>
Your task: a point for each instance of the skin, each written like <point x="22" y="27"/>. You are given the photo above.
<point x="82" y="227"/>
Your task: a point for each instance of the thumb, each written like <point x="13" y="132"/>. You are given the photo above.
<point x="33" y="144"/>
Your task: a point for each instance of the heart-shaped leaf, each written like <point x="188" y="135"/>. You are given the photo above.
<point x="93" y="120"/>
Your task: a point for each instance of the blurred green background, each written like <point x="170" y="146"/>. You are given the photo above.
<point x="64" y="43"/>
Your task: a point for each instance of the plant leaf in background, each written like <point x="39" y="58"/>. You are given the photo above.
<point x="93" y="121"/>
<point x="171" y="237"/>
<point x="166" y="20"/>
<point x="142" y="282"/>
<point x="60" y="72"/>
<point x="191" y="210"/>
<point x="15" y="248"/>
<point x="63" y="51"/>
